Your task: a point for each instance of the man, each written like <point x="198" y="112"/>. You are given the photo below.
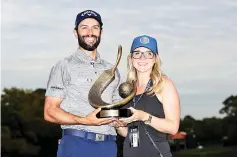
<point x="66" y="101"/>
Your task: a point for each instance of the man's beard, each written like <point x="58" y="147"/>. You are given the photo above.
<point x="85" y="46"/>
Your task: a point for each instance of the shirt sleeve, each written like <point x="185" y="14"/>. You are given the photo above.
<point x="116" y="97"/>
<point x="55" y="86"/>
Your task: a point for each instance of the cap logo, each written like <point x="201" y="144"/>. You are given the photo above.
<point x="89" y="13"/>
<point x="144" y="40"/>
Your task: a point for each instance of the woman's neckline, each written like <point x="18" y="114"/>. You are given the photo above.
<point x="140" y="94"/>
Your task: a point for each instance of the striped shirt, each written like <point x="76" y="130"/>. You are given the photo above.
<point x="71" y="80"/>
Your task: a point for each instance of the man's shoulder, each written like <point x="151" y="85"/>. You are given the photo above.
<point x="65" y="61"/>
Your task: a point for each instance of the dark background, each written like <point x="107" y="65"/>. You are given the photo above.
<point x="25" y="133"/>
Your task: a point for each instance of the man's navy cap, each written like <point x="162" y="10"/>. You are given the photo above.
<point x="145" y="41"/>
<point x="88" y="14"/>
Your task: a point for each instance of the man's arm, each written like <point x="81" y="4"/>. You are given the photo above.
<point x="53" y="113"/>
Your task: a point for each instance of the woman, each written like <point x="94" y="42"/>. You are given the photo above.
<point x="155" y="108"/>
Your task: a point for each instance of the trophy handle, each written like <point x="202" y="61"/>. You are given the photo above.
<point x="94" y="96"/>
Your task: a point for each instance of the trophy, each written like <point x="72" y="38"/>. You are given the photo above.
<point x="127" y="91"/>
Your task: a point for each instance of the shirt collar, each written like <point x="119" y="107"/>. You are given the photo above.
<point x="86" y="58"/>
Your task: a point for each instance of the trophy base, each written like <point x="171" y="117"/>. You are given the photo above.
<point x="106" y="113"/>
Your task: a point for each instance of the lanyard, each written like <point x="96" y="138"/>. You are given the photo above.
<point x="147" y="87"/>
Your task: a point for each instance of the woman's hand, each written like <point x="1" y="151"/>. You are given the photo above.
<point x="117" y="123"/>
<point x="138" y="115"/>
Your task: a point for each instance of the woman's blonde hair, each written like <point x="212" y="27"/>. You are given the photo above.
<point x="157" y="77"/>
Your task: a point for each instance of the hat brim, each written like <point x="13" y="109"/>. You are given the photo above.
<point x="145" y="47"/>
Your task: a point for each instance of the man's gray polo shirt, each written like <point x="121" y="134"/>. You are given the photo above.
<point x="72" y="78"/>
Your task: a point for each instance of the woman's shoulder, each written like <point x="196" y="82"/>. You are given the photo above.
<point x="168" y="86"/>
<point x="168" y="83"/>
<point x="169" y="90"/>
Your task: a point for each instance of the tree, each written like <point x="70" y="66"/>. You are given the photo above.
<point x="230" y="121"/>
<point x="208" y="130"/>
<point x="24" y="131"/>
<point x="230" y="106"/>
<point x="187" y="124"/>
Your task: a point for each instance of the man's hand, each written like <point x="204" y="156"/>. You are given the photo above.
<point x="91" y="119"/>
<point x="117" y="123"/>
